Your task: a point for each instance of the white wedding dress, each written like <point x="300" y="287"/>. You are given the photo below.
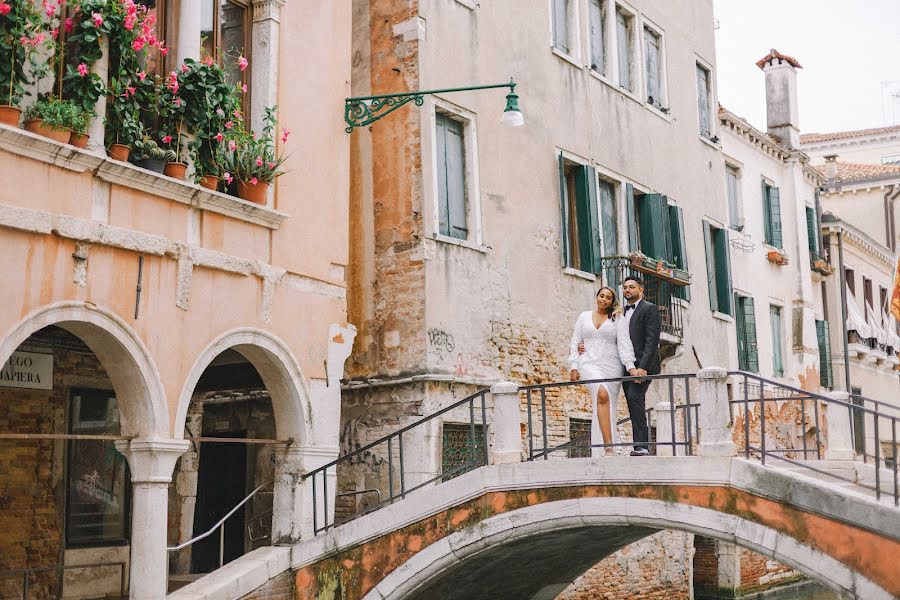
<point x="607" y="353"/>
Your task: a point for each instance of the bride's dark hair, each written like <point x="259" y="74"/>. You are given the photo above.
<point x="615" y="309"/>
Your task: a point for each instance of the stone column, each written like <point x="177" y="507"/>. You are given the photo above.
<point x="96" y="130"/>
<point x="151" y="462"/>
<point x="664" y="433"/>
<point x="189" y="24"/>
<point x="292" y="502"/>
<point x="839" y="444"/>
<point x="264" y="58"/>
<point x="506" y="432"/>
<point x="715" y="421"/>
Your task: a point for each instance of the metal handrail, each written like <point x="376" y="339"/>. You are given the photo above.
<point x="219" y="524"/>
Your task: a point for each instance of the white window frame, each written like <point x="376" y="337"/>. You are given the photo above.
<point x="572" y="29"/>
<point x="712" y="106"/>
<point x="663" y="99"/>
<point x="633" y="43"/>
<point x="432" y="107"/>
<point x="605" y="40"/>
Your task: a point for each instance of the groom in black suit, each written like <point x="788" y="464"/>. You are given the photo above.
<point x="644" y="323"/>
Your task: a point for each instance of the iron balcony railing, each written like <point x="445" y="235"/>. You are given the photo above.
<point x="665" y="288"/>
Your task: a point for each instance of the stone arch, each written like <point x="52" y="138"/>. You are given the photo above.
<point x="626" y="520"/>
<point x="135" y="378"/>
<point x="279" y="370"/>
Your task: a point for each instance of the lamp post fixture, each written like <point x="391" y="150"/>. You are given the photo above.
<point x="360" y="111"/>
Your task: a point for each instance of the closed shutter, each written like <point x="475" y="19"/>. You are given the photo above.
<point x="679" y="247"/>
<point x="623" y="43"/>
<point x="631" y="217"/>
<point x="772" y="209"/>
<point x="812" y="230"/>
<point x="703" y="100"/>
<point x="723" y="270"/>
<point x="745" y="322"/>
<point x="710" y="266"/>
<point x="825" y="375"/>
<point x="597" y="35"/>
<point x="777" y="341"/>
<point x="588" y="224"/>
<point x="590" y="175"/>
<point x="563" y="214"/>
<point x="441" y="146"/>
<point x="653" y="218"/>
<point x="653" y="70"/>
<point x="608" y="219"/>
<point x="456" y="180"/>
<point x="561" y="25"/>
<point x="740" y="324"/>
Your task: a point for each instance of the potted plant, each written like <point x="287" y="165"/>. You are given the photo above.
<point x="20" y="34"/>
<point x="149" y="155"/>
<point x="53" y="118"/>
<point x="777" y="257"/>
<point x="79" y="137"/>
<point x="123" y="123"/>
<point x="174" y="166"/>
<point x="254" y="160"/>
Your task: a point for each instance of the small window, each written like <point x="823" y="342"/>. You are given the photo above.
<point x="883" y="309"/>
<point x="97" y="508"/>
<point x="718" y="268"/>
<point x="772" y="215"/>
<point x="609" y="220"/>
<point x="460" y="452"/>
<point x="745" y="326"/>
<point x="826" y="378"/>
<point x="564" y="26"/>
<point x="867" y="298"/>
<point x="225" y="35"/>
<point x="732" y="186"/>
<point x="776" y="322"/>
<point x="812" y="233"/>
<point x="580" y="436"/>
<point x="580" y="216"/>
<point x="850" y="277"/>
<point x="451" y="177"/>
<point x="704" y="101"/>
<point x="597" y="16"/>
<point x="654" y="56"/>
<point x="625" y="48"/>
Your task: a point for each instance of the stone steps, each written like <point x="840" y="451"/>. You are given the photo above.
<point x="239" y="577"/>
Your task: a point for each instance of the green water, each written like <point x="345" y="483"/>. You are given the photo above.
<point x="806" y="592"/>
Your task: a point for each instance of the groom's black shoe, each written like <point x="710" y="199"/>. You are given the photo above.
<point x="640" y="452"/>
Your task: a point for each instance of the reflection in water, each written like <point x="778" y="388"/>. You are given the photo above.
<point x="810" y="591"/>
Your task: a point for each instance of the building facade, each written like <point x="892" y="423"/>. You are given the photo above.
<point x="145" y="321"/>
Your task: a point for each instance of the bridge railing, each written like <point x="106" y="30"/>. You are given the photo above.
<point x="760" y="407"/>
<point x="392" y="467"/>
<point x="672" y="417"/>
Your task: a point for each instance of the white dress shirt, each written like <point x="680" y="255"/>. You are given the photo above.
<point x="629" y="313"/>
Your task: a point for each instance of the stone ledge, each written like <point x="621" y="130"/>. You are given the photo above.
<point x="239" y="577"/>
<point x="23" y="143"/>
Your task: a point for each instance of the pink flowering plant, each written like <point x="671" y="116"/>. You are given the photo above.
<point x="253" y="158"/>
<point x="21" y="33"/>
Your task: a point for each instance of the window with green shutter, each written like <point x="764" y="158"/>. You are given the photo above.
<point x="608" y="218"/>
<point x="777" y="340"/>
<point x="653" y="225"/>
<point x="812" y="232"/>
<point x="580" y="216"/>
<point x="631" y="217"/>
<point x="826" y="378"/>
<point x="772" y="215"/>
<point x="732" y="187"/>
<point x="718" y="268"/>
<point x="679" y="248"/>
<point x="745" y="326"/>
<point x="451" y="178"/>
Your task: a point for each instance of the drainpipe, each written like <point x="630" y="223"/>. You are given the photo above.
<point x="889" y="223"/>
<point x="843" y="279"/>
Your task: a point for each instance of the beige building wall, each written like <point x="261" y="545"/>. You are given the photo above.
<point x="869" y="146"/>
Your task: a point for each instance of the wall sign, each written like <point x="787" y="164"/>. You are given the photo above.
<point x="28" y="370"/>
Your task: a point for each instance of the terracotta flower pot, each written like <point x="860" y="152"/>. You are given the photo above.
<point x="175" y="169"/>
<point x="9" y="115"/>
<point x="253" y="193"/>
<point x="61" y="134"/>
<point x="210" y="182"/>
<point x="79" y="140"/>
<point x="776" y="257"/>
<point x="119" y="152"/>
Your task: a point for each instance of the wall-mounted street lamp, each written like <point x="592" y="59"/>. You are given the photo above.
<point x="363" y="110"/>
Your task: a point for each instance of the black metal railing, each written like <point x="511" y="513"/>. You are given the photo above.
<point x="754" y="394"/>
<point x="662" y="291"/>
<point x="27" y="574"/>
<point x="385" y="466"/>
<point x="683" y="418"/>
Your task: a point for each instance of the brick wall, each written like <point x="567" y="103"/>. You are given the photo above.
<point x="280" y="587"/>
<point x="32" y="473"/>
<point x="705" y="565"/>
<point x="759" y="573"/>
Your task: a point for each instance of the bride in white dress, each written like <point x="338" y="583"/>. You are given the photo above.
<point x="607" y="353"/>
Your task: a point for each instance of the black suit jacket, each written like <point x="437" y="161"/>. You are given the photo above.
<point x="644" y="328"/>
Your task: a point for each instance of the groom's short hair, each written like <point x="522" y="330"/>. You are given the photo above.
<point x="635" y="279"/>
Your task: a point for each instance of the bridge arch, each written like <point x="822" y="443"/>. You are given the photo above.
<point x="140" y="393"/>
<point x="578" y="533"/>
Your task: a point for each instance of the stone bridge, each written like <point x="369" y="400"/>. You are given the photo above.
<point x="513" y="529"/>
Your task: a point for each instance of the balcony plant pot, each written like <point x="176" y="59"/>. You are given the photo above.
<point x="9" y="115"/>
<point x="119" y="152"/>
<point x="79" y="140"/>
<point x="61" y="134"/>
<point x="255" y="193"/>
<point x="152" y="164"/>
<point x="776" y="257"/>
<point x="210" y="182"/>
<point x="175" y="169"/>
<point x="822" y="267"/>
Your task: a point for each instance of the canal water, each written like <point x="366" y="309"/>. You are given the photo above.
<point x="807" y="592"/>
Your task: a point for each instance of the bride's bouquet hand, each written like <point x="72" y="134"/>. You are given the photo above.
<point x="574" y="375"/>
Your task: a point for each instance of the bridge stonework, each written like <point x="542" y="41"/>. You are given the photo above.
<point x="359" y="570"/>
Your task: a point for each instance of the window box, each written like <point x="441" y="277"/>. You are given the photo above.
<point x="659" y="268"/>
<point x="822" y="266"/>
<point x="777" y="257"/>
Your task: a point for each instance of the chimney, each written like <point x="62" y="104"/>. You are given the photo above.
<point x="831" y="171"/>
<point x="781" y="97"/>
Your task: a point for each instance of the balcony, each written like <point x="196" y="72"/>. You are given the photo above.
<point x="664" y="286"/>
<point x="820" y="264"/>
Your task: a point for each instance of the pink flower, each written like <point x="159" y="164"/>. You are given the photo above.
<point x="259" y="161"/>
<point x="242" y="63"/>
<point x="163" y="51"/>
<point x="219" y="137"/>
<point x="208" y="61"/>
<point x="220" y="112"/>
<point x="227" y="177"/>
<point x="237" y="114"/>
<point x="284" y="135"/>
<point x="50" y="10"/>
<point x="23" y="40"/>
<point x="132" y="90"/>
<point x="39" y="39"/>
<point x="97" y="18"/>
<point x="141" y="75"/>
<point x="232" y="145"/>
<point x="54" y="32"/>
<point x="82" y="69"/>
<point x="4" y="8"/>
<point x="70" y="24"/>
<point x="244" y="88"/>
<point x="254" y="181"/>
<point x="271" y="166"/>
<point x="167" y="139"/>
<point x="229" y="125"/>
<point x="177" y="102"/>
<point x="138" y="44"/>
<point x="129" y="22"/>
<point x="184" y="68"/>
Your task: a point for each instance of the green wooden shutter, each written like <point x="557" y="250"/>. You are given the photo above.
<point x="631" y="217"/>
<point x="723" y="270"/>
<point x="609" y="219"/>
<point x="653" y="219"/>
<point x="456" y="180"/>
<point x="563" y="214"/>
<point x="812" y="230"/>
<point x="750" y="335"/>
<point x="679" y="247"/>
<point x="777" y="341"/>
<point x="590" y="175"/>
<point x="740" y="325"/>
<point x="825" y="374"/>
<point x="710" y="267"/>
<point x="441" y="143"/>
<point x="772" y="210"/>
<point x="587" y="220"/>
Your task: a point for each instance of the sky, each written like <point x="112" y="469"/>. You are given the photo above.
<point x="847" y="49"/>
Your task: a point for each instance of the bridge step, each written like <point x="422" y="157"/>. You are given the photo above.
<point x="239" y="577"/>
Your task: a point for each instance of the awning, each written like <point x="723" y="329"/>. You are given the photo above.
<point x="855" y="320"/>
<point x="874" y="323"/>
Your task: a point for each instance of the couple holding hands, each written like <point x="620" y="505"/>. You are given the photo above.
<point x="608" y="342"/>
